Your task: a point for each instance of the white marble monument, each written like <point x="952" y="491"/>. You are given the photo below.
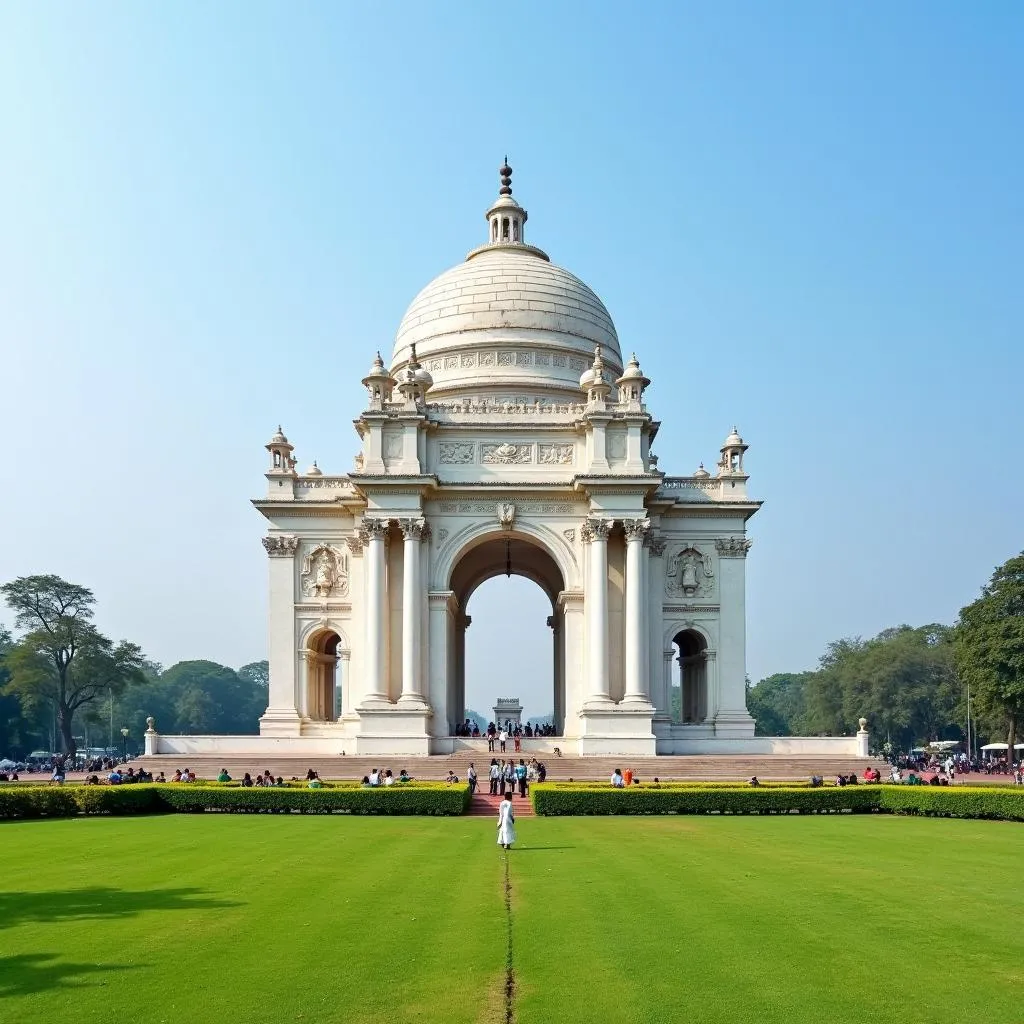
<point x="507" y="435"/>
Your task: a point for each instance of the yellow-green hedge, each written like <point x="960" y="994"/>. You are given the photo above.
<point x="41" y="801"/>
<point x="947" y="801"/>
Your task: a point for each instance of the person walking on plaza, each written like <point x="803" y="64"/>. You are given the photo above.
<point x="506" y="823"/>
<point x="471" y="777"/>
<point x="493" y="773"/>
<point x="502" y="740"/>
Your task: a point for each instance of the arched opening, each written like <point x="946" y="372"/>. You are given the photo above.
<point x="690" y="684"/>
<point x="323" y="677"/>
<point x="516" y="634"/>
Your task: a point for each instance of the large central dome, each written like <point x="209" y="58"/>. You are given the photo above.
<point x="507" y="320"/>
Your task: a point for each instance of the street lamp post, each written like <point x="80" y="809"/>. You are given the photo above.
<point x="124" y="741"/>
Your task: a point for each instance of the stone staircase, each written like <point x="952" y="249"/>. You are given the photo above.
<point x="485" y="805"/>
<point x="779" y="767"/>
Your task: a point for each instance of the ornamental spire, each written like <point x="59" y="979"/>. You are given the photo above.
<point x="506" y="218"/>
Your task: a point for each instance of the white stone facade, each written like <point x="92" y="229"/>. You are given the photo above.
<point x="507" y="435"/>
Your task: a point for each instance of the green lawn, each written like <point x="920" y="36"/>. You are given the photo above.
<point x="221" y="919"/>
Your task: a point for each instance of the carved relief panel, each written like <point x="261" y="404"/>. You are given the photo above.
<point x="689" y="573"/>
<point x="324" y="572"/>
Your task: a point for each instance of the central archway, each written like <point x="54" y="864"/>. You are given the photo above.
<point x="504" y="554"/>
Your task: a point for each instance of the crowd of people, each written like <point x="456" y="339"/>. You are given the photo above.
<point x="509" y="730"/>
<point x="506" y="776"/>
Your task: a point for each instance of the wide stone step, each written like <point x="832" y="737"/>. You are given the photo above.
<point x="559" y="769"/>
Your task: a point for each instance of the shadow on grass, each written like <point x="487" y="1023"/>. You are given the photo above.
<point x="29" y="973"/>
<point x="97" y="903"/>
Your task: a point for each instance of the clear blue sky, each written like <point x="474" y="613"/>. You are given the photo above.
<point x="806" y="219"/>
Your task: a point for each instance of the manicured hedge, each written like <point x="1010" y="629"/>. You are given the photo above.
<point x="41" y="801"/>
<point x="958" y="801"/>
<point x="549" y="799"/>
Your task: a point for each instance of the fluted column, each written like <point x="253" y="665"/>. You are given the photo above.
<point x="595" y="531"/>
<point x="375" y="536"/>
<point x="636" y="678"/>
<point x="412" y="684"/>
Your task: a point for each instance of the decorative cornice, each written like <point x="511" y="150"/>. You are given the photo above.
<point x="281" y="547"/>
<point x="733" y="547"/>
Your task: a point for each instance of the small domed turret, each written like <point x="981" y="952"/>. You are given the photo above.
<point x="314" y="470"/>
<point x="632" y="383"/>
<point x="280" y="449"/>
<point x="731" y="462"/>
<point x="379" y="383"/>
<point x="700" y="473"/>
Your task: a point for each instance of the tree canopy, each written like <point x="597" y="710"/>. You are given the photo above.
<point x="62" y="660"/>
<point x="989" y="645"/>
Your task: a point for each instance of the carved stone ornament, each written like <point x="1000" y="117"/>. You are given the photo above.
<point x="656" y="542"/>
<point x="355" y="544"/>
<point x="596" y="529"/>
<point x="690" y="572"/>
<point x="570" y="535"/>
<point x="324" y="572"/>
<point x="555" y="454"/>
<point x="371" y="528"/>
<point x="281" y="547"/>
<point x="733" y="547"/>
<point x="452" y="453"/>
<point x="412" y="528"/>
<point x="442" y="535"/>
<point x="506" y="514"/>
<point x="506" y="454"/>
<point x="636" y="528"/>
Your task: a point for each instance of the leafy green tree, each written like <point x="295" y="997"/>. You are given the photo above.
<point x="778" y="703"/>
<point x="989" y="644"/>
<point x="257" y="673"/>
<point x="62" y="660"/>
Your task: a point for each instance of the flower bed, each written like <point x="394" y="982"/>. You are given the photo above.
<point x="151" y="798"/>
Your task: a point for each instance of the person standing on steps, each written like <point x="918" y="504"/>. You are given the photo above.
<point x="493" y="774"/>
<point x="506" y="823"/>
<point x="471" y="778"/>
<point x="502" y="739"/>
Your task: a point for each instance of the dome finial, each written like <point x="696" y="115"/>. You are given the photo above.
<point x="506" y="179"/>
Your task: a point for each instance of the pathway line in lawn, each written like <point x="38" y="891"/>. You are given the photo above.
<point x="510" y="971"/>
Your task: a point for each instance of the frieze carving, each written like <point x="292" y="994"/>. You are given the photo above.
<point x="690" y="572"/>
<point x="453" y="453"/>
<point x="636" y="528"/>
<point x="555" y="454"/>
<point x="487" y="508"/>
<point x="733" y="547"/>
<point x="468" y="359"/>
<point x="504" y="358"/>
<point x="338" y="483"/>
<point x="506" y="454"/>
<point x="281" y="547"/>
<point x="324" y="572"/>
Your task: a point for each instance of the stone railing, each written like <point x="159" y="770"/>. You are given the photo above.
<point x="688" y="488"/>
<point x="316" y="486"/>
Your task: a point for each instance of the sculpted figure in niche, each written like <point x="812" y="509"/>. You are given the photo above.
<point x="324" y="573"/>
<point x="690" y="573"/>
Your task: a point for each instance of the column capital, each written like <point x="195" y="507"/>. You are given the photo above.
<point x="355" y="544"/>
<point x="636" y="529"/>
<point x="656" y="542"/>
<point x="413" y="529"/>
<point x="733" y="547"/>
<point x="596" y="529"/>
<point x="281" y="547"/>
<point x="373" y="529"/>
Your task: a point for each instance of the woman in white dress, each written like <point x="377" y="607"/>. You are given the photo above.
<point x="506" y="823"/>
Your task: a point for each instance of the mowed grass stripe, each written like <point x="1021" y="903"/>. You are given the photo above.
<point x="767" y="920"/>
<point x="256" y="919"/>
